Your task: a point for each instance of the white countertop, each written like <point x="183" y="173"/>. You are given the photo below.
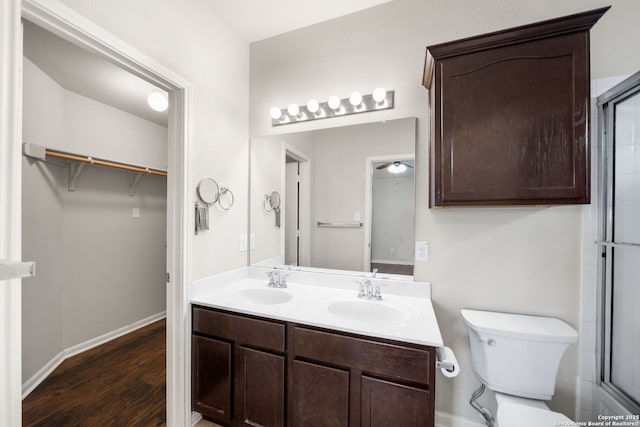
<point x="407" y="306"/>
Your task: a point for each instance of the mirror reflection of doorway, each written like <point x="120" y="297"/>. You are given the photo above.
<point x="392" y="212"/>
<point x="296" y="209"/>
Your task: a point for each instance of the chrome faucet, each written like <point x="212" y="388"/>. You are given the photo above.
<point x="367" y="291"/>
<point x="374" y="272"/>
<point x="277" y="281"/>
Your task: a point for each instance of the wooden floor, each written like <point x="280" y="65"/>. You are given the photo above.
<point x="393" y="268"/>
<point x="120" y="383"/>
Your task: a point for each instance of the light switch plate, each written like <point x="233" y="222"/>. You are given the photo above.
<point x="252" y="241"/>
<point x="422" y="251"/>
<point x="356" y="216"/>
<point x="135" y="213"/>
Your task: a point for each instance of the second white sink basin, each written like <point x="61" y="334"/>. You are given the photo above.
<point x="368" y="311"/>
<point x="265" y="296"/>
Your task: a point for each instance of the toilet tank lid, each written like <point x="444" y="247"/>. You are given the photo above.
<point x="522" y="326"/>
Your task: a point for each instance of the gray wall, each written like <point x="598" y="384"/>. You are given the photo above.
<point x="98" y="269"/>
<point x="392" y="231"/>
<point x="518" y="260"/>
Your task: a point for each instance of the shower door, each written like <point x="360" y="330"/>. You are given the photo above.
<point x="620" y="241"/>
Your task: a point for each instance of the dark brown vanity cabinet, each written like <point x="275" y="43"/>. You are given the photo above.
<point x="249" y="371"/>
<point x="510" y="116"/>
<point x="238" y="369"/>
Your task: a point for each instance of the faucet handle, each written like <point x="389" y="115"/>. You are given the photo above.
<point x="361" y="292"/>
<point x="283" y="281"/>
<point x="377" y="295"/>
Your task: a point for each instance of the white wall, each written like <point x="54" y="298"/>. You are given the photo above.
<point x="98" y="268"/>
<point x="189" y="38"/>
<point x="521" y="260"/>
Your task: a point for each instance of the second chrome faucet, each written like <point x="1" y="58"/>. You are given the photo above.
<point x="277" y="281"/>
<point x="367" y="291"/>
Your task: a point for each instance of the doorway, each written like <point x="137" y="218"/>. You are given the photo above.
<point x="297" y="209"/>
<point x="389" y="219"/>
<point x="101" y="246"/>
<point x="80" y="31"/>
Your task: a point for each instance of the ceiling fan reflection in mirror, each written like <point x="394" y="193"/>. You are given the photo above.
<point x="395" y="167"/>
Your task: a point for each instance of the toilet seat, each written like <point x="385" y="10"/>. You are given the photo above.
<point x="512" y="414"/>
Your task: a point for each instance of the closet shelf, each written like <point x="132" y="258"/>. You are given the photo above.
<point x="39" y="152"/>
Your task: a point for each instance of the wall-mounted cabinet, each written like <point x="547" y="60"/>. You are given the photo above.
<point x="510" y="116"/>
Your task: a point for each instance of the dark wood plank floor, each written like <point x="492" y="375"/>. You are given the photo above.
<point x="120" y="383"/>
<point x="393" y="268"/>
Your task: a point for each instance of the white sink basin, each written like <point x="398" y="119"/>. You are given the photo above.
<point x="368" y="311"/>
<point x="265" y="296"/>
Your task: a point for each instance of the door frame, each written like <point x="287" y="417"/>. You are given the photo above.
<point x="368" y="200"/>
<point x="73" y="27"/>
<point x="304" y="256"/>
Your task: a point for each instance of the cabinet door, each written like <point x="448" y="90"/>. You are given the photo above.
<point x="320" y="396"/>
<point x="514" y="125"/>
<point x="260" y="388"/>
<point x="211" y="388"/>
<point x="389" y="404"/>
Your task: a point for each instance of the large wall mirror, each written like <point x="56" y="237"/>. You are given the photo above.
<point x="346" y="198"/>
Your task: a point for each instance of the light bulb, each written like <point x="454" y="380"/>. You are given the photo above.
<point x="275" y="113"/>
<point x="158" y="101"/>
<point x="293" y="109"/>
<point x="334" y="102"/>
<point x="397" y="168"/>
<point x="355" y="99"/>
<point x="313" y="106"/>
<point x="379" y="94"/>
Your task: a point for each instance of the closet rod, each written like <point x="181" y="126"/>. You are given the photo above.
<point x="94" y="161"/>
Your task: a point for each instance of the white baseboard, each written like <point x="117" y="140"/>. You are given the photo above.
<point x="51" y="365"/>
<point x="42" y="373"/>
<point x="444" y="419"/>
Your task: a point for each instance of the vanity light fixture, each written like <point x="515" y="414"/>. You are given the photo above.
<point x="356" y="103"/>
<point x="158" y="101"/>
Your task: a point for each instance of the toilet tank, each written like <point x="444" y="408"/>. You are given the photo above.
<point x="517" y="354"/>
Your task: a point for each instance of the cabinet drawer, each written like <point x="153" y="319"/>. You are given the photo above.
<point x="240" y="329"/>
<point x="388" y="360"/>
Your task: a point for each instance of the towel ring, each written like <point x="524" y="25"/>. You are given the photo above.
<point x="230" y="199"/>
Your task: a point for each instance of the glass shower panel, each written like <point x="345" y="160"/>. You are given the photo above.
<point x="625" y="310"/>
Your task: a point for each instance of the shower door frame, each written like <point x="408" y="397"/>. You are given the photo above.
<point x="606" y="241"/>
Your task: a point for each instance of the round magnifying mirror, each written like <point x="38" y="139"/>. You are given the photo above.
<point x="275" y="199"/>
<point x="208" y="191"/>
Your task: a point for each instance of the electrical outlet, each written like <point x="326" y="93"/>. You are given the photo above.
<point x="422" y="251"/>
<point x="243" y="243"/>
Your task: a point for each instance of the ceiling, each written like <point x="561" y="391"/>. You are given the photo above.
<point x="269" y="18"/>
<point x="87" y="74"/>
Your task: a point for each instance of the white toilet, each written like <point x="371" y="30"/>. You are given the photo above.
<point x="517" y="356"/>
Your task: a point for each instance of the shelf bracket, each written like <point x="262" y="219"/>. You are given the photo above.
<point x="74" y="174"/>
<point x="134" y="181"/>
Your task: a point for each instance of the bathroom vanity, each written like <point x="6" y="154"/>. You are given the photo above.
<point x="314" y="355"/>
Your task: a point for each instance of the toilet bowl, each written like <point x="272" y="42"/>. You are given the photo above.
<point x="516" y="411"/>
<point x="518" y="356"/>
